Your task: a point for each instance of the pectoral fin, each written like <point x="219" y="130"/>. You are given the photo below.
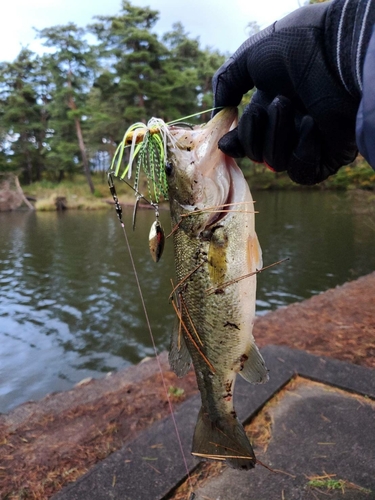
<point x="179" y="356"/>
<point x="254" y="253"/>
<point x="252" y="366"/>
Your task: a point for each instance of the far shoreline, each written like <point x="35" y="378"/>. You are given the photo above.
<point x="72" y="191"/>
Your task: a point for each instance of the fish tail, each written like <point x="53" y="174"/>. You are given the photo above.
<point x="224" y="439"/>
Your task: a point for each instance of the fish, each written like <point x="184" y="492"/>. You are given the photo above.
<point x="215" y="248"/>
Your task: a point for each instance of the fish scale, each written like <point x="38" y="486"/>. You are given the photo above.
<point x="213" y="315"/>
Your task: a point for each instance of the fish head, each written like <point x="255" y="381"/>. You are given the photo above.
<point x="197" y="170"/>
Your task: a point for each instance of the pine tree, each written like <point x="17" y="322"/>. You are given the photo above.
<point x="145" y="76"/>
<point x="134" y="56"/>
<point x="74" y="103"/>
<point x="71" y="67"/>
<point x="22" y="130"/>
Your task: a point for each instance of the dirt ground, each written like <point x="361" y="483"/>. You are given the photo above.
<point x="46" y="445"/>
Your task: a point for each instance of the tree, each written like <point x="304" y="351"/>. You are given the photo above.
<point x="22" y="130"/>
<point x="134" y="56"/>
<point x="180" y="82"/>
<point x="73" y="104"/>
<point x="71" y="67"/>
<point x="146" y="76"/>
<point x="209" y="62"/>
<point x="252" y="28"/>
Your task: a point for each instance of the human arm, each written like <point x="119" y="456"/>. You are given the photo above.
<point x="365" y="130"/>
<point x="307" y="69"/>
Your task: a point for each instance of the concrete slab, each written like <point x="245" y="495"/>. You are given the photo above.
<point x="316" y="432"/>
<point x="151" y="466"/>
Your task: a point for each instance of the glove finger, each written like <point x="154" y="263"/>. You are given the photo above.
<point x="305" y="163"/>
<point x="236" y="76"/>
<point x="280" y="137"/>
<point x="310" y="162"/>
<point x="247" y="139"/>
<point x="339" y="146"/>
<point x="251" y="131"/>
<point x="231" y="145"/>
<point x="262" y="99"/>
<point x="230" y="83"/>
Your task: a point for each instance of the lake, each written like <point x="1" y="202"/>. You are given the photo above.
<point x="70" y="308"/>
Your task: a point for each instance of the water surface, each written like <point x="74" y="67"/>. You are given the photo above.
<point x="70" y="308"/>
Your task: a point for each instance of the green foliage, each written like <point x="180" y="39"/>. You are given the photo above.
<point x="21" y="116"/>
<point x="260" y="177"/>
<point x="67" y="110"/>
<point x="98" y="194"/>
<point x="331" y="483"/>
<point x="71" y="67"/>
<point x="76" y="192"/>
<point x="357" y="175"/>
<point x="176" y="392"/>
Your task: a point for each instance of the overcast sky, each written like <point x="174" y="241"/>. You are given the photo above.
<point x="218" y="23"/>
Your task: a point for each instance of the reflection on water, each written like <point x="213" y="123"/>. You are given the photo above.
<point x="327" y="242"/>
<point x="69" y="306"/>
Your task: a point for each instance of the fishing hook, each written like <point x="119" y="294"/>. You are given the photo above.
<point x="115" y="198"/>
<point x="135" y="211"/>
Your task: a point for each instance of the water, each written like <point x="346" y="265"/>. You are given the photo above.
<point x="70" y="309"/>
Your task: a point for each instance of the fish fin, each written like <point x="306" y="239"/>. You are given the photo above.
<point x="224" y="439"/>
<point x="259" y="264"/>
<point x="179" y="356"/>
<point x="254" y="253"/>
<point x="253" y="368"/>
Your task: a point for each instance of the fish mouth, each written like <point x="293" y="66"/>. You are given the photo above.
<point x="213" y="131"/>
<point x="216" y="162"/>
<point x="203" y="140"/>
<point x="203" y="173"/>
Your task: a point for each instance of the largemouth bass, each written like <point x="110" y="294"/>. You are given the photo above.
<point x="215" y="244"/>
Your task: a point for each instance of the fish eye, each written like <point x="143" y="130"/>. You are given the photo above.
<point x="168" y="168"/>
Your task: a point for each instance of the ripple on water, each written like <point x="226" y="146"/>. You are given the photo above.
<point x="46" y="303"/>
<point x="70" y="309"/>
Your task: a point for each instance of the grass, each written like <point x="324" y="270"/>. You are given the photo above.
<point x="75" y="190"/>
<point x="75" y="202"/>
<point x="77" y="193"/>
<point x="175" y="392"/>
<point x="358" y="175"/>
<point x="329" y="482"/>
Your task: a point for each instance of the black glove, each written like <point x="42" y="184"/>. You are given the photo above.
<point x="307" y="71"/>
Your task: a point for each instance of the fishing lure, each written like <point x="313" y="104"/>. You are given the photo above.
<point x="156" y="241"/>
<point x="148" y="145"/>
<point x="148" y="152"/>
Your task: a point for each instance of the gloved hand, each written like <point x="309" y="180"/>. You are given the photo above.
<point x="306" y="69"/>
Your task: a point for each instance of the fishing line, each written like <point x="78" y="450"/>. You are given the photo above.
<point x="214" y="289"/>
<point x="119" y="215"/>
<point x="139" y="195"/>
